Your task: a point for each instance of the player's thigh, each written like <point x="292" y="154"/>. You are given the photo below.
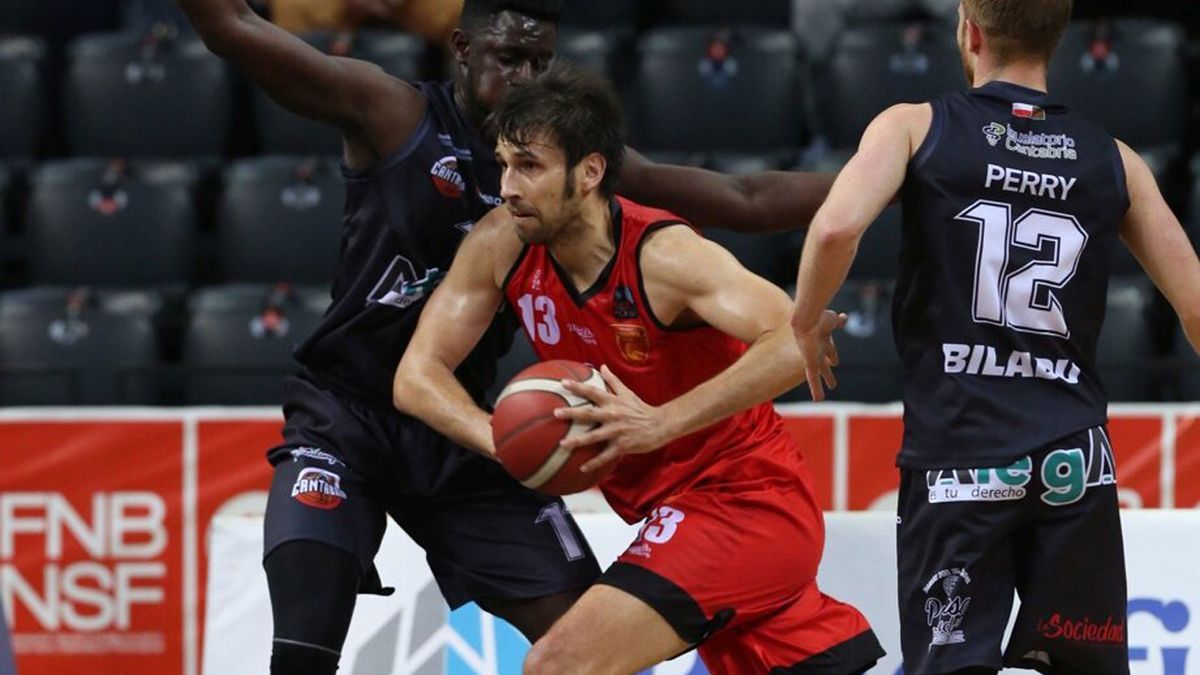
<point x="323" y="500"/>
<point x="608" y="631"/>
<point x="1072" y="566"/>
<point x="813" y="634"/>
<point x="491" y="540"/>
<point x="956" y="572"/>
<point x="708" y="560"/>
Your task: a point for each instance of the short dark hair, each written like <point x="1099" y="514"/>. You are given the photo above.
<point x="577" y="108"/>
<point x="478" y="12"/>
<point x="1020" y="27"/>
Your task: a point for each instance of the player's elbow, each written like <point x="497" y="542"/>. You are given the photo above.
<point x="830" y="232"/>
<point x="407" y="387"/>
<point x="223" y="34"/>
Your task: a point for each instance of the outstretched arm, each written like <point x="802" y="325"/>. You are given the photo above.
<point x="766" y="201"/>
<point x="451" y="324"/>
<point x="694" y="280"/>
<point x="355" y="95"/>
<point x="1157" y="240"/>
<point x="863" y="190"/>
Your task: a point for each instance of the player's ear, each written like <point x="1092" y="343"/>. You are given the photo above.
<point x="460" y="44"/>
<point x="974" y="37"/>
<point x="592" y="170"/>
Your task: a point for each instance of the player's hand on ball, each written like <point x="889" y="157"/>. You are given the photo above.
<point x="819" y="352"/>
<point x="625" y="423"/>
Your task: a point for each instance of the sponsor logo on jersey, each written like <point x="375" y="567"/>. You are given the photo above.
<point x="583" y="333"/>
<point x="446" y="178"/>
<point x="401" y="286"/>
<point x="980" y="485"/>
<point x="624" y="306"/>
<point x="317" y="454"/>
<point x="947" y="605"/>
<point x="318" y="488"/>
<point x="1082" y="629"/>
<point x="632" y="342"/>
<point x="1031" y="144"/>
<point x="1028" y="111"/>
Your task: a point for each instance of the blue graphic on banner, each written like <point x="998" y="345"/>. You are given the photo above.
<point x="471" y="624"/>
<point x="7" y="666"/>
<point x="1174" y="617"/>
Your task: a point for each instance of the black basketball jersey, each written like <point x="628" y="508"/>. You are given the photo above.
<point x="404" y="219"/>
<point x="1012" y="206"/>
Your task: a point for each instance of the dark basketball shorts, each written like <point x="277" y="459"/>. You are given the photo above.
<point x="1047" y="527"/>
<point x="734" y="572"/>
<point x="344" y="467"/>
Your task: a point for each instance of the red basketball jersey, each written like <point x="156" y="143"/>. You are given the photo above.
<point x="612" y="323"/>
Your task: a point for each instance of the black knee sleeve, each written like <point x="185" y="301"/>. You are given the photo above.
<point x="313" y="589"/>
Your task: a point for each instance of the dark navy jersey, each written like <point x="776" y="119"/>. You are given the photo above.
<point x="1011" y="209"/>
<point x="405" y="218"/>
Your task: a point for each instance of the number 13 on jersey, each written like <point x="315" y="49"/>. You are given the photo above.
<point x="1023" y="299"/>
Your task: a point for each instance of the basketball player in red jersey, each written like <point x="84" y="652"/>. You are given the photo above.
<point x="727" y="559"/>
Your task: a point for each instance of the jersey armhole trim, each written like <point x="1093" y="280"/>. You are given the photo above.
<point x="1122" y="178"/>
<point x="513" y="270"/>
<point x="396" y="156"/>
<point x="937" y="124"/>
<point x="641" y="281"/>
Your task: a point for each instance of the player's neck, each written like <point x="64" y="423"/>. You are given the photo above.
<point x="1028" y="74"/>
<point x="584" y="248"/>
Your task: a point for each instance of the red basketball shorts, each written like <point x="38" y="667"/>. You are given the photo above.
<point x="732" y="567"/>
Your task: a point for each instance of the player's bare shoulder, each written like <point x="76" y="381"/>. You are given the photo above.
<point x="911" y="119"/>
<point x="677" y="264"/>
<point x="493" y="244"/>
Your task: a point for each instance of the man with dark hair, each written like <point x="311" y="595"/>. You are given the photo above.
<point x="419" y="174"/>
<point x="728" y="556"/>
<point x="1012" y="206"/>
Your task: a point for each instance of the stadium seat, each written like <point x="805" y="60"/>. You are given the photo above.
<point x="771" y="256"/>
<point x="238" y="344"/>
<point x="820" y="22"/>
<point x="279" y="219"/>
<point x="7" y="255"/>
<point x="1125" y="355"/>
<point x="761" y="12"/>
<point x="111" y="223"/>
<point x="593" y="50"/>
<point x="282" y="133"/>
<point x="21" y="101"/>
<point x="140" y="16"/>
<point x="592" y="15"/>
<point x="703" y="89"/>
<point x="1129" y="75"/>
<point x="63" y="346"/>
<point x="870" y="367"/>
<point x="128" y="95"/>
<point x="874" y="67"/>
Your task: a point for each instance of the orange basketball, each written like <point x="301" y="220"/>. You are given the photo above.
<point x="527" y="434"/>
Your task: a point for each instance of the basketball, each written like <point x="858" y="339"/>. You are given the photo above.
<point x="527" y="434"/>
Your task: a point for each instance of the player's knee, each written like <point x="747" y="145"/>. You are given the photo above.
<point x="294" y="658"/>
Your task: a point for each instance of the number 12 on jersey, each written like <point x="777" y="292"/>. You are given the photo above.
<point x="1023" y="299"/>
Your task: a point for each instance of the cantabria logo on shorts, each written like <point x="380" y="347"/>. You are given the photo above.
<point x="318" y="488"/>
<point x="979" y="485"/>
<point x="1031" y="144"/>
<point x="946" y="606"/>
